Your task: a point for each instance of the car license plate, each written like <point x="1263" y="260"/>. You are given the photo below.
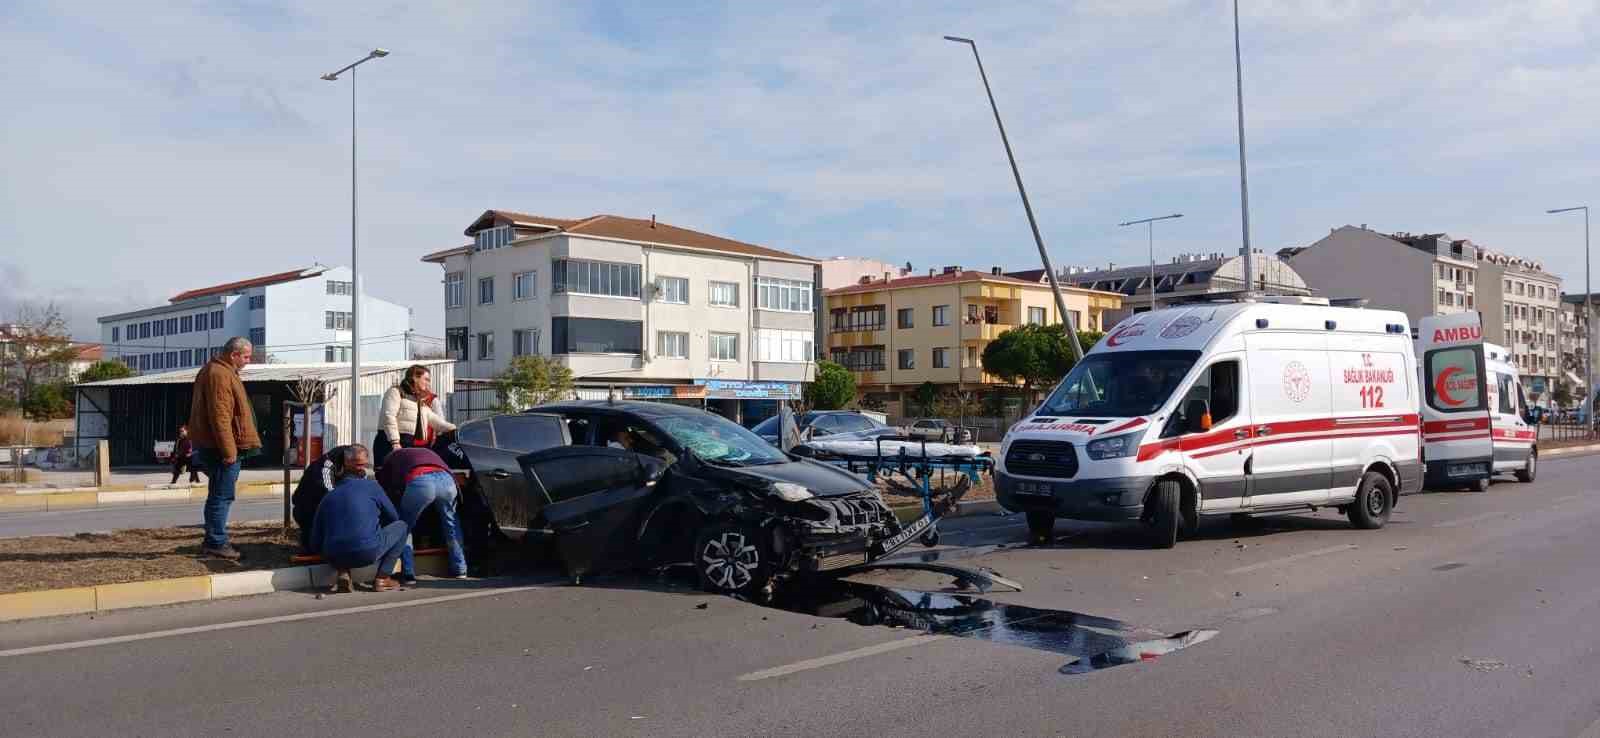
<point x="1034" y="488"/>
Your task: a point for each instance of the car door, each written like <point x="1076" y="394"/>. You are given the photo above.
<point x="1291" y="405"/>
<point x="597" y="498"/>
<point x="1456" y="426"/>
<point x="1512" y="434"/>
<point x="492" y="445"/>
<point x="1217" y="457"/>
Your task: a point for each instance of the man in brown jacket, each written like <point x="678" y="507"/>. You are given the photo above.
<point x="222" y="427"/>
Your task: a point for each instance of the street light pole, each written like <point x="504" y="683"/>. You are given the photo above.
<point x="1244" y="182"/>
<point x="1044" y="256"/>
<point x="355" y="254"/>
<point x="1588" y="321"/>
<point x="1151" y="222"/>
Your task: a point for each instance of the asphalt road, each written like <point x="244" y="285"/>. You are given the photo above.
<point x="68" y="522"/>
<point x="1470" y="615"/>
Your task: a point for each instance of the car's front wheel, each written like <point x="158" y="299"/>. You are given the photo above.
<point x="733" y="558"/>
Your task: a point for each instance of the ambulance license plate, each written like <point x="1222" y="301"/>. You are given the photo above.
<point x="1042" y="489"/>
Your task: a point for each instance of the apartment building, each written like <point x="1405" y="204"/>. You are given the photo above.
<point x="898" y="333"/>
<point x="1186" y="277"/>
<point x="1521" y="303"/>
<point x="299" y="316"/>
<point x="634" y="307"/>
<point x="1573" y="340"/>
<point x="1432" y="274"/>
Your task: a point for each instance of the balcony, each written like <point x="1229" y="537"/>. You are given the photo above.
<point x="983" y="331"/>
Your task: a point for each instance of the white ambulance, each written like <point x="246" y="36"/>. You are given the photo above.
<point x="1239" y="408"/>
<point x="1475" y="419"/>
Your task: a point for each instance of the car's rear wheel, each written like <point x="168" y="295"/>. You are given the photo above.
<point x="1530" y="469"/>
<point x="1164" y="517"/>
<point x="1477" y="485"/>
<point x="1041" y="527"/>
<point x="1374" y="501"/>
<point x="733" y="558"/>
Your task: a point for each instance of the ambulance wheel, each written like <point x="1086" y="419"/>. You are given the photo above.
<point x="1529" y="470"/>
<point x="732" y="558"/>
<point x="1165" y="518"/>
<point x="1478" y="485"/>
<point x="1374" y="501"/>
<point x="1041" y="527"/>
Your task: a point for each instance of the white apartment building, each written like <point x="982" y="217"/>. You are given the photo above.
<point x="299" y="316"/>
<point x="1431" y="274"/>
<point x="633" y="306"/>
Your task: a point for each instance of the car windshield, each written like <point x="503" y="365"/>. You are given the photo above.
<point x="720" y="441"/>
<point x="1120" y="384"/>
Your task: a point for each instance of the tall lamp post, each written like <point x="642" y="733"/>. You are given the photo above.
<point x="1588" y="316"/>
<point x="1151" y="222"/>
<point x="355" y="255"/>
<point x="1044" y="256"/>
<point x="1244" y="182"/>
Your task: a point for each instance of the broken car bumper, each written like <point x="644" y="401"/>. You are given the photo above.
<point x="1111" y="499"/>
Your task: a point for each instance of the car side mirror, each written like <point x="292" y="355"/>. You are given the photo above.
<point x="1197" y="416"/>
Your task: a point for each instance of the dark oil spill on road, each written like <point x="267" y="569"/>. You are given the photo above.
<point x="1093" y="642"/>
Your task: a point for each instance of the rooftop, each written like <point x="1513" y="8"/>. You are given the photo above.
<point x="615" y="226"/>
<point x="228" y="288"/>
<point x="271" y="373"/>
<point x="928" y="280"/>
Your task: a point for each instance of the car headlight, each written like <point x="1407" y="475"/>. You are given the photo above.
<point x="791" y="492"/>
<point x="1115" y="447"/>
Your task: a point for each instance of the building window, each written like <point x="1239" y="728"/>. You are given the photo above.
<point x="1522" y="289"/>
<point x="941" y="358"/>
<point x="672" y="345"/>
<point x="455" y="343"/>
<point x="335" y="320"/>
<point x="860" y="358"/>
<point x="186" y="324"/>
<point x="724" y="347"/>
<point x="972" y="357"/>
<point x="1443" y="298"/>
<point x="172" y="326"/>
<point x="1469" y="300"/>
<point x="905" y="318"/>
<point x="908" y="359"/>
<point x="216" y="320"/>
<point x="133" y="331"/>
<point x="258" y="302"/>
<point x="522" y="286"/>
<point x="493" y="238"/>
<point x="525" y="342"/>
<point x="258" y="338"/>
<point x="867" y="318"/>
<point x="784" y="346"/>
<point x="336" y="354"/>
<point x="1470" y="277"/>
<point x="116" y="334"/>
<point x="724" y="294"/>
<point x="454" y="289"/>
<point x="1508" y="312"/>
<point x="941" y="315"/>
<point x="1035" y="316"/>
<point x="674" y="290"/>
<point x="158" y="327"/>
<point x="336" y="287"/>
<point x="786" y="295"/>
<point x="144" y="362"/>
<point x="596" y="336"/>
<point x="486" y="290"/>
<point x="144" y="330"/>
<point x="595" y="278"/>
<point x="486" y="345"/>
<point x="1444" y="272"/>
<point x="1508" y="286"/>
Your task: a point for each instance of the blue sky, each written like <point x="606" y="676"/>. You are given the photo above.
<point x="150" y="148"/>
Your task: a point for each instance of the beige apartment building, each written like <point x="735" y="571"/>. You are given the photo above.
<point x="1528" y="305"/>
<point x="898" y="333"/>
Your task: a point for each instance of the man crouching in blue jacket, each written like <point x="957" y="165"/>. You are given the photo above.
<point x="356" y="525"/>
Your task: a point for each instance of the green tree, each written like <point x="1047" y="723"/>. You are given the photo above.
<point x="103" y="370"/>
<point x="924" y="398"/>
<point x="1561" y="396"/>
<point x="530" y="381"/>
<point x="48" y="401"/>
<point x="40" y="348"/>
<point x="834" y="387"/>
<point x="1034" y="356"/>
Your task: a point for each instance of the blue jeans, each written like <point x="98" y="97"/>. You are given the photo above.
<point x="389" y="548"/>
<point x="425" y="490"/>
<point x="220" y="482"/>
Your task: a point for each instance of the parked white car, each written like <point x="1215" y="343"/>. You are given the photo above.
<point x="938" y="429"/>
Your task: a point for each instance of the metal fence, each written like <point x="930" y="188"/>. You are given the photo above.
<point x="1566" y="431"/>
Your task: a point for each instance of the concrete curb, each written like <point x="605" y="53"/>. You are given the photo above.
<point x="79" y="498"/>
<point x="1571" y="450"/>
<point x="106" y="597"/>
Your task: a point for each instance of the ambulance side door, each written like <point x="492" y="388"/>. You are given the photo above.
<point x="1291" y="456"/>
<point x="1217" y="457"/>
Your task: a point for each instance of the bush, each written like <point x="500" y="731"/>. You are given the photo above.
<point x="531" y="381"/>
<point x="48" y="401"/>
<point x="834" y="387"/>
<point x="103" y="370"/>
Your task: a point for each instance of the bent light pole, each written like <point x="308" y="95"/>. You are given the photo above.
<point x="1588" y="315"/>
<point x="355" y="255"/>
<point x="1044" y="256"/>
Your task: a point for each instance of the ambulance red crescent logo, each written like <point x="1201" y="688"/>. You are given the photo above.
<point x="1441" y="386"/>
<point x="1122" y="334"/>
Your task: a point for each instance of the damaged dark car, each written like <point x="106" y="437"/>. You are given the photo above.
<point x="619" y="485"/>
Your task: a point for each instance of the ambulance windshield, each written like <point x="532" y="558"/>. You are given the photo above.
<point x="1120" y="384"/>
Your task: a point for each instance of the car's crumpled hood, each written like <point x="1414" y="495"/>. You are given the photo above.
<point x="823" y="480"/>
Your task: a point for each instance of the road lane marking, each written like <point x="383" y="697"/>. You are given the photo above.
<point x="1469" y="520"/>
<point x="1288" y="559"/>
<point x="94" y="642"/>
<point x="839" y="658"/>
<point x="1568" y="498"/>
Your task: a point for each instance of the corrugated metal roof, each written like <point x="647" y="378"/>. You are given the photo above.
<point x="271" y="373"/>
